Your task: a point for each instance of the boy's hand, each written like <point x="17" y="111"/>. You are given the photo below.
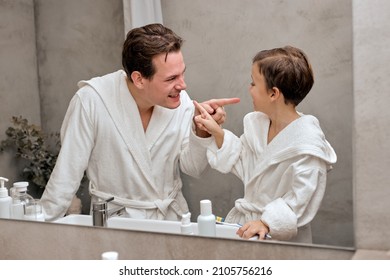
<point x="215" y="108"/>
<point x="205" y="122"/>
<point x="253" y="228"/>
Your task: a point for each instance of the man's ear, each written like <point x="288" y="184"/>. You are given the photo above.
<point x="137" y="79"/>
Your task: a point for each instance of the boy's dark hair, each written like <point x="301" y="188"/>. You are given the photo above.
<point x="288" y="69"/>
<point x="143" y="43"/>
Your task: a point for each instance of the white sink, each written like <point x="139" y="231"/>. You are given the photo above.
<point x="82" y="220"/>
<point x="223" y="231"/>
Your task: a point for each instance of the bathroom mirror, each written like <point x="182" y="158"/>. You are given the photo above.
<point x="68" y="41"/>
<point x="226" y="35"/>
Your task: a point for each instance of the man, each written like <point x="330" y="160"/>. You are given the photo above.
<point x="132" y="131"/>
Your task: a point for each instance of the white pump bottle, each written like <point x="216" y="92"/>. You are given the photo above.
<point x="185" y="226"/>
<point x="5" y="200"/>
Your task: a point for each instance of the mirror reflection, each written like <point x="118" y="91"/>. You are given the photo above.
<point x="229" y="39"/>
<point x="220" y="41"/>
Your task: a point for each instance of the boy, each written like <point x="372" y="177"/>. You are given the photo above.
<point x="282" y="156"/>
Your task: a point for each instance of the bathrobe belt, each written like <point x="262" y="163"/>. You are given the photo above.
<point x="161" y="205"/>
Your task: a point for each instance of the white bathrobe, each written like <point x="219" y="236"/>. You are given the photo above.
<point x="102" y="133"/>
<point x="284" y="180"/>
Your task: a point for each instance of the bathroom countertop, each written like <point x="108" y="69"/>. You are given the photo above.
<point x="47" y="241"/>
<point x="371" y="255"/>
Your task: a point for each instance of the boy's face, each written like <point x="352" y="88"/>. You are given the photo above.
<point x="258" y="90"/>
<point x="164" y="87"/>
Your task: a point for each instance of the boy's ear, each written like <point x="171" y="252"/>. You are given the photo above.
<point x="137" y="79"/>
<point x="274" y="93"/>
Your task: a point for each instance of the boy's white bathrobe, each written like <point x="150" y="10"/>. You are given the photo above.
<point x="284" y="180"/>
<point x="102" y="133"/>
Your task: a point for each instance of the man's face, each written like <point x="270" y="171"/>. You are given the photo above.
<point x="164" y="87"/>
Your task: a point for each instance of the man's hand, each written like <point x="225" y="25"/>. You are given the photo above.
<point x="215" y="108"/>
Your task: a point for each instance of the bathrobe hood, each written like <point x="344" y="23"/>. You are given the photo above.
<point x="302" y="136"/>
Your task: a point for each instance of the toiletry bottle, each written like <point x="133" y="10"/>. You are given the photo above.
<point x="110" y="256"/>
<point x="206" y="219"/>
<point x="20" y="198"/>
<point x="5" y="200"/>
<point x="185" y="226"/>
<point x="33" y="211"/>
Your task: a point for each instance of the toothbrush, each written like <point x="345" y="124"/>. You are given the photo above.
<point x="229" y="224"/>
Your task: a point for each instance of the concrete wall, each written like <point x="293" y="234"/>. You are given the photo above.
<point x="46" y="47"/>
<point x="222" y="36"/>
<point x="76" y="40"/>
<point x="19" y="94"/>
<point x="372" y="124"/>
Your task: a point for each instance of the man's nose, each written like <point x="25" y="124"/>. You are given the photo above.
<point x="181" y="84"/>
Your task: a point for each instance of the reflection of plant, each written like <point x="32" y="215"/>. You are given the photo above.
<point x="33" y="145"/>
